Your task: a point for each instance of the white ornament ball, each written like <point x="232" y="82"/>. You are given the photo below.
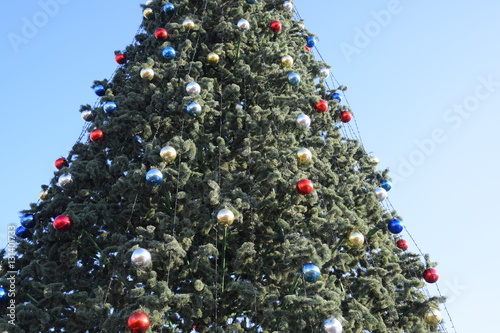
<point x="141" y="258"/>
<point x="193" y="88"/>
<point x="243" y="25"/>
<point x="332" y="325"/>
<point x="188" y="24"/>
<point x="374" y="160"/>
<point x="87" y="115"/>
<point x="303" y="121"/>
<point x="65" y="180"/>
<point x="381" y="193"/>
<point x="288" y="5"/>
<point x="324" y="72"/>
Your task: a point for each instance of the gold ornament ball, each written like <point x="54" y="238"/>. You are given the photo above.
<point x="213" y="58"/>
<point x="355" y="240"/>
<point x="433" y="317"/>
<point x="287" y="61"/>
<point x="188" y="24"/>
<point x="147" y="74"/>
<point x="44" y="195"/>
<point x="304" y="156"/>
<point x="168" y="154"/>
<point x="225" y="218"/>
<point x="148" y="13"/>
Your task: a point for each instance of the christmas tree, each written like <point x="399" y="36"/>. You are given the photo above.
<point x="215" y="190"/>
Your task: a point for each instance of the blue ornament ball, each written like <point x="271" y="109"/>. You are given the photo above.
<point x="22" y="232"/>
<point x="337" y="97"/>
<point x="311" y="272"/>
<point x="169" y="8"/>
<point x="100" y="90"/>
<point x="4" y="296"/>
<point x="386" y="185"/>
<point x="109" y="107"/>
<point x="154" y="177"/>
<point x="169" y="53"/>
<point x="193" y="109"/>
<point x="311" y="42"/>
<point x="28" y="221"/>
<point x="251" y="1"/>
<point x="395" y="226"/>
<point x="294" y="79"/>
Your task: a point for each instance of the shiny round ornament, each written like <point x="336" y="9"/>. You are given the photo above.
<point x="28" y="221"/>
<point x="304" y="156"/>
<point x="86" y="115"/>
<point x="345" y="116"/>
<point x="337" y="97"/>
<point x="430" y="275"/>
<point x="294" y="79"/>
<point x="193" y="109"/>
<point x="43" y="195"/>
<point x="148" y="13"/>
<point x="433" y="317"/>
<point x="62" y="223"/>
<point x="138" y="322"/>
<point x="109" y="107"/>
<point x="307" y="48"/>
<point x="374" y="160"/>
<point x="355" y="240"/>
<point x="100" y="90"/>
<point x="154" y="177"/>
<point x="276" y="26"/>
<point x="321" y="106"/>
<point x="193" y="88"/>
<point x="141" y="258"/>
<point x="213" y="58"/>
<point x="147" y="74"/>
<point x="381" y="193"/>
<point x="386" y="185"/>
<point x="311" y="272"/>
<point x="149" y="2"/>
<point x="395" y="226"/>
<point x="332" y="325"/>
<point x="120" y="58"/>
<point x="225" y="217"/>
<point x="324" y="73"/>
<point x="288" y="5"/>
<point x="311" y="42"/>
<point x="305" y="187"/>
<point x="243" y="25"/>
<point x="4" y="296"/>
<point x="402" y="244"/>
<point x="188" y="24"/>
<point x="303" y="121"/>
<point x="251" y="1"/>
<point x="287" y="61"/>
<point x="169" y="53"/>
<point x="65" y="180"/>
<point x="161" y="34"/>
<point x="169" y="8"/>
<point x="61" y="163"/>
<point x="168" y="154"/>
<point x="22" y="232"/>
<point x="97" y="136"/>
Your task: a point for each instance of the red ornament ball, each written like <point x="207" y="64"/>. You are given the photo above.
<point x="402" y="244"/>
<point x="430" y="275"/>
<point x="120" y="58"/>
<point x="321" y="106"/>
<point x="276" y="26"/>
<point x="308" y="49"/>
<point x="62" y="223"/>
<point x="305" y="187"/>
<point x="161" y="34"/>
<point x="346" y="116"/>
<point x="97" y="136"/>
<point x="61" y="163"/>
<point x="138" y="322"/>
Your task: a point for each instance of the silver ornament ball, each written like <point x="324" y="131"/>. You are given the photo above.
<point x="324" y="72"/>
<point x="141" y="258"/>
<point x="288" y="5"/>
<point x="193" y="88"/>
<point x="243" y="25"/>
<point x="332" y="325"/>
<point x="303" y="121"/>
<point x="65" y="180"/>
<point x="87" y="115"/>
<point x="381" y="193"/>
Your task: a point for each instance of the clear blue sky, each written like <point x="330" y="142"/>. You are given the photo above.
<point x="424" y="84"/>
